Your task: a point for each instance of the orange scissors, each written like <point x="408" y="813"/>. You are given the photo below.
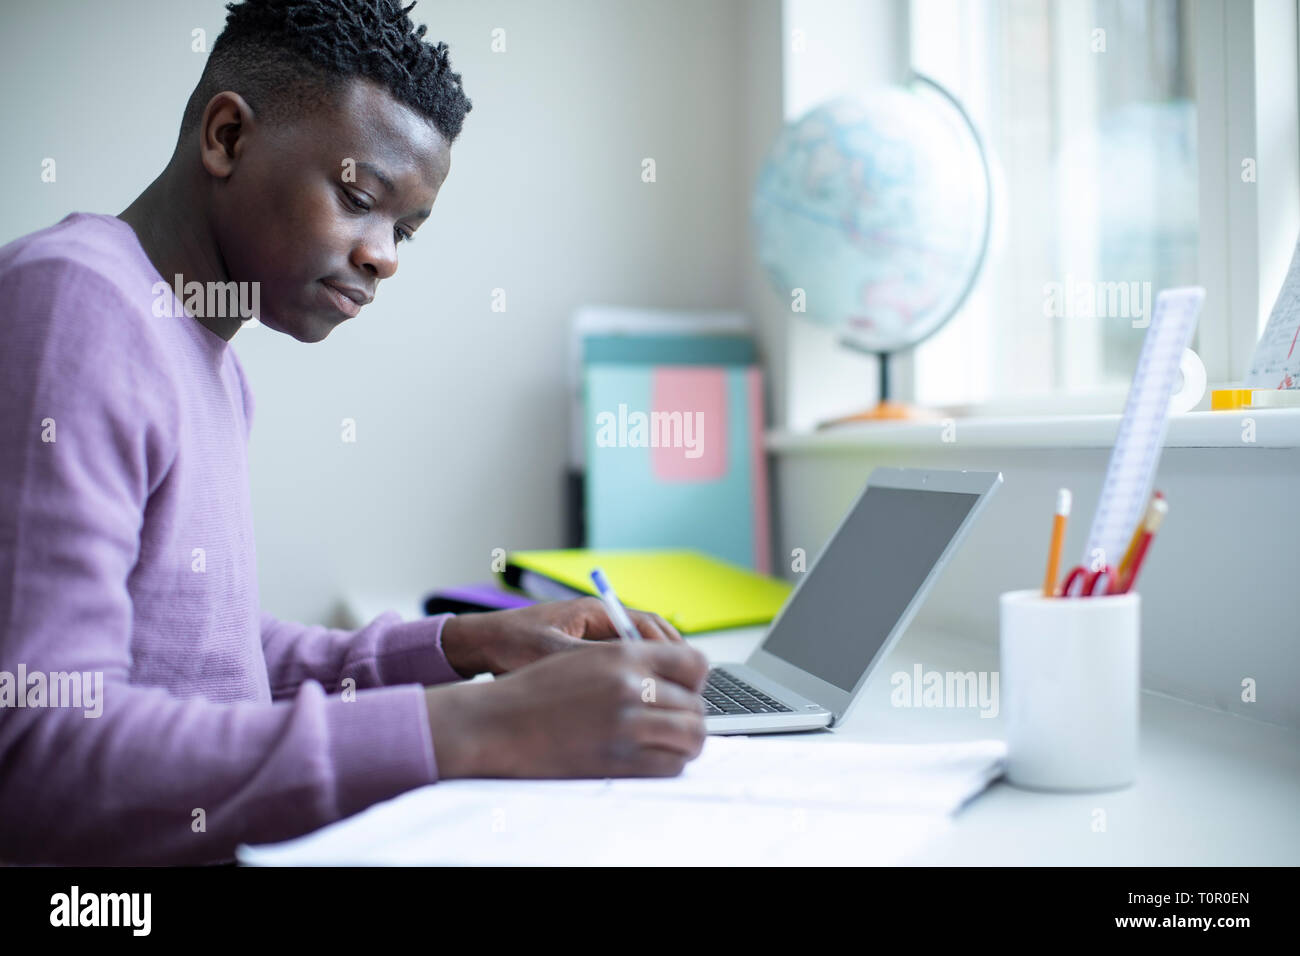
<point x="1089" y="580"/>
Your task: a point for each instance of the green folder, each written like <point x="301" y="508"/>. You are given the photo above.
<point x="694" y="591"/>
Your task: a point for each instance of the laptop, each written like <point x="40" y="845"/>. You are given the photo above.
<point x="851" y="607"/>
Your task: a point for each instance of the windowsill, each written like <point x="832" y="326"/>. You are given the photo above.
<point x="1273" y="428"/>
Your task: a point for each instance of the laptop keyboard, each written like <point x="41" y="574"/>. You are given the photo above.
<point x="724" y="694"/>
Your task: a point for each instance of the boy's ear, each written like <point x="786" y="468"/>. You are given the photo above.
<point x="222" y="132"/>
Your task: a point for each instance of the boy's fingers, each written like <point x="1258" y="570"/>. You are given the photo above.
<point x="672" y="631"/>
<point x="654" y="627"/>
<point x="678" y="662"/>
<point x="668" y="695"/>
<point x="674" y="730"/>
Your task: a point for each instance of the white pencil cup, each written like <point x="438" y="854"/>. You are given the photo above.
<point x="1070" y="680"/>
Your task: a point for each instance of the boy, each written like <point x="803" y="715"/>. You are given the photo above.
<point x="150" y="712"/>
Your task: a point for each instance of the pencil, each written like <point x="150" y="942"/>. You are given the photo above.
<point x="1131" y="553"/>
<point x="1151" y="522"/>
<point x="1063" y="499"/>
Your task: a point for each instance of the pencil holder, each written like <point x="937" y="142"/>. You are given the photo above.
<point x="1070" y="681"/>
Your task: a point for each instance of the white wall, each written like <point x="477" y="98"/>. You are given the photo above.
<point x="460" y="411"/>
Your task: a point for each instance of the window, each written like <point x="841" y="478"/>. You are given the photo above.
<point x="1136" y="145"/>
<point x="1088" y="112"/>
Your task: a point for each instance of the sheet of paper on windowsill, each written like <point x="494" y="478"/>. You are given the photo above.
<point x="1276" y="362"/>
<point x="744" y="801"/>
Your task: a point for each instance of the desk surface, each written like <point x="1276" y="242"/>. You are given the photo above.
<point x="1212" y="789"/>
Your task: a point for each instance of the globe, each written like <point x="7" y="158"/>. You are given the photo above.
<point x="872" y="212"/>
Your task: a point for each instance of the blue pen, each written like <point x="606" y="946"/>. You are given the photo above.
<point x="622" y="623"/>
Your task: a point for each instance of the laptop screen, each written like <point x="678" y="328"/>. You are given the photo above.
<point x="864" y="579"/>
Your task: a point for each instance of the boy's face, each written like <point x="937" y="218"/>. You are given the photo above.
<point x="313" y="210"/>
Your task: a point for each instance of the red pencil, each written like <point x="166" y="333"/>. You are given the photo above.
<point x="1155" y="516"/>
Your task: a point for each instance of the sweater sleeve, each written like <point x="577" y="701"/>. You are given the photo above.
<point x="151" y="778"/>
<point x="386" y="651"/>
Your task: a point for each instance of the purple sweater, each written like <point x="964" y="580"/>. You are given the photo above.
<point x="127" y="556"/>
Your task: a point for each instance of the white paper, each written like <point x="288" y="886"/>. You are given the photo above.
<point x="1276" y="362"/>
<point x="744" y="801"/>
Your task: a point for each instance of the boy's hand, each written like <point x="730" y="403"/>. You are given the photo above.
<point x="502" y="641"/>
<point x="607" y="710"/>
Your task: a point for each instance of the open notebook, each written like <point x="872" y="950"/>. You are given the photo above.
<point x="743" y="801"/>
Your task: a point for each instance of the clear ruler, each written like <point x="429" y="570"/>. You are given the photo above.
<point x="1132" y="469"/>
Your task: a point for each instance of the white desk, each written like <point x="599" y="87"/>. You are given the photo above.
<point x="1212" y="790"/>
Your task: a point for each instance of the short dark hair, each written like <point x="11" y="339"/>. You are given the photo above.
<point x="285" y="56"/>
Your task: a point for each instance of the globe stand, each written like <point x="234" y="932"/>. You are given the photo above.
<point x="885" y="410"/>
